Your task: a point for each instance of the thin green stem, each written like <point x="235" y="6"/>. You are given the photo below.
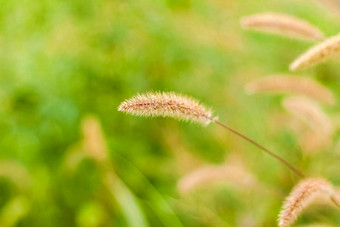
<point x="335" y="201"/>
<point x="295" y="170"/>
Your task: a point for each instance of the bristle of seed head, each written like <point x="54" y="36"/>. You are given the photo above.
<point x="291" y="84"/>
<point x="167" y="104"/>
<point x="282" y="24"/>
<point x="301" y="197"/>
<point x="317" y="54"/>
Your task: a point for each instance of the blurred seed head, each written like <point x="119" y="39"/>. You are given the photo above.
<point x="93" y="145"/>
<point x="310" y="113"/>
<point x="93" y="138"/>
<point x="282" y="24"/>
<point x="331" y="5"/>
<point x="320" y="129"/>
<point x="311" y="141"/>
<point x="231" y="172"/>
<point x="292" y="85"/>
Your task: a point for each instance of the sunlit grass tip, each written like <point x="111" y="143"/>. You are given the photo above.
<point x="301" y="197"/>
<point x="282" y="24"/>
<point x="204" y="176"/>
<point x="167" y="104"/>
<point x="309" y="112"/>
<point x="317" y="54"/>
<point x="290" y="84"/>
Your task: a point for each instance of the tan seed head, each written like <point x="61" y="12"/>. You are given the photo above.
<point x="229" y="172"/>
<point x="167" y="104"/>
<point x="291" y="85"/>
<point x="317" y="54"/>
<point x="300" y="197"/>
<point x="310" y="113"/>
<point x="282" y="24"/>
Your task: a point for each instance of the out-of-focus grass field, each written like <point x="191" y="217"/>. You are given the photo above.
<point x="63" y="61"/>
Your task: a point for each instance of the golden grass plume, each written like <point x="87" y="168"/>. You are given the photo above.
<point x="282" y="24"/>
<point x="281" y="83"/>
<point x="310" y="113"/>
<point x="229" y="172"/>
<point x="331" y="5"/>
<point x="317" y="54"/>
<point x="319" y="131"/>
<point x="313" y="141"/>
<point x="167" y="104"/>
<point x="301" y="197"/>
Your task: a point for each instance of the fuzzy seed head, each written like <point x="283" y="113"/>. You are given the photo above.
<point x="282" y="24"/>
<point x="301" y="196"/>
<point x="291" y="85"/>
<point x="317" y="54"/>
<point x="167" y="104"/>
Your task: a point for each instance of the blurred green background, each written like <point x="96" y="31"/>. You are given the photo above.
<point x="65" y="66"/>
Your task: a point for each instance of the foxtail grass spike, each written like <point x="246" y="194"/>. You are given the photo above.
<point x="317" y="54"/>
<point x="230" y="172"/>
<point x="169" y="104"/>
<point x="301" y="197"/>
<point x="290" y="84"/>
<point x="309" y="112"/>
<point x="282" y="24"/>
